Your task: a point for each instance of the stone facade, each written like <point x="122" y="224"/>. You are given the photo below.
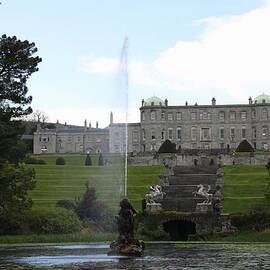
<point x="189" y="127"/>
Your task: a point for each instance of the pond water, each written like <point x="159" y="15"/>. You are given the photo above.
<point x="157" y="256"/>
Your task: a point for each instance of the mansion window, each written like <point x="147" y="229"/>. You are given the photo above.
<point x="254" y="132"/>
<point x="264" y="113"/>
<point x="205" y="134"/>
<point x="221" y="145"/>
<point x="253" y="114"/>
<point x="178" y="116"/>
<point x="170" y="116"/>
<point x="265" y="146"/>
<point x="232" y="133"/>
<point x="162" y="134"/>
<point x="153" y="134"/>
<point x="143" y="116"/>
<point x="170" y="133"/>
<point x="205" y="116"/>
<point x="221" y="115"/>
<point x="244" y="132"/>
<point x="243" y="116"/>
<point x="193" y="116"/>
<point x="221" y="133"/>
<point x="264" y="132"/>
<point x="162" y="115"/>
<point x="153" y="115"/>
<point x="193" y="133"/>
<point x="232" y="115"/>
<point x="178" y="133"/>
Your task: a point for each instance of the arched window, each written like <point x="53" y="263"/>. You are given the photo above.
<point x="264" y="131"/>
<point x="253" y="114"/>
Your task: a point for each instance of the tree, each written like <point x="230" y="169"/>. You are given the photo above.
<point x="88" y="208"/>
<point x="16" y="66"/>
<point x="244" y="146"/>
<point x="14" y="183"/>
<point x="88" y="161"/>
<point x="167" y="147"/>
<point x="100" y="160"/>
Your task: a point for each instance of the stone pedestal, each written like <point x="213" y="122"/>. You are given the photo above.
<point x="204" y="207"/>
<point x="153" y="207"/>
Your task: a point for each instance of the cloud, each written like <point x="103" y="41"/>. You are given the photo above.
<point x="231" y="56"/>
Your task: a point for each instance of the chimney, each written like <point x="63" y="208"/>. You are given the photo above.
<point x="85" y="125"/>
<point x="250" y="101"/>
<point x="166" y="102"/>
<point x="97" y="124"/>
<point x="213" y="101"/>
<point x="142" y="102"/>
<point x="111" y="118"/>
<point x="89" y="124"/>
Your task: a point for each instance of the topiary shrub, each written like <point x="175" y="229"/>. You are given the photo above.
<point x="88" y="161"/>
<point x="60" y="161"/>
<point x="100" y="160"/>
<point x="244" y="146"/>
<point x="54" y="220"/>
<point x="167" y="147"/>
<point x="31" y="160"/>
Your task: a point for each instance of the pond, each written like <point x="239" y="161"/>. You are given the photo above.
<point x="157" y="256"/>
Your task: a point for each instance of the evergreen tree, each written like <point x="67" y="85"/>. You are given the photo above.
<point x="167" y="147"/>
<point x="244" y="146"/>
<point x="88" y="161"/>
<point x="16" y="65"/>
<point x="100" y="160"/>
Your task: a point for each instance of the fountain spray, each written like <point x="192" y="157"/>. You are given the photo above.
<point x="123" y="69"/>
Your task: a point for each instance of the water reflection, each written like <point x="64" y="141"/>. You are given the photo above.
<point x="157" y="256"/>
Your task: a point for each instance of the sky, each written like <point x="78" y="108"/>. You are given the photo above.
<point x="182" y="50"/>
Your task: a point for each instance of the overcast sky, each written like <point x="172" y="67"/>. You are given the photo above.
<point x="182" y="50"/>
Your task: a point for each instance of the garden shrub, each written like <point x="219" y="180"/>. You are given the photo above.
<point x="88" y="161"/>
<point x="31" y="160"/>
<point x="100" y="160"/>
<point x="167" y="147"/>
<point x="244" y="146"/>
<point x="54" y="220"/>
<point x="60" y="161"/>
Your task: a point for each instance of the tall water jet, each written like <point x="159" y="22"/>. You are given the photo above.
<point x="124" y="79"/>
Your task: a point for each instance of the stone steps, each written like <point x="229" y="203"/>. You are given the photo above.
<point x="195" y="170"/>
<point x="193" y="179"/>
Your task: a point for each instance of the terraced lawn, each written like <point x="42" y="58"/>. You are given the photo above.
<point x="244" y="186"/>
<point x="56" y="182"/>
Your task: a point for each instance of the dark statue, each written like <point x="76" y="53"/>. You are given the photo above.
<point x="126" y="244"/>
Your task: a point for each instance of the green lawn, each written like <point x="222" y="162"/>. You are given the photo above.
<point x="244" y="186"/>
<point x="56" y="182"/>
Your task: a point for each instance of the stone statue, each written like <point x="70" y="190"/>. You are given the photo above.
<point x="155" y="194"/>
<point x="126" y="244"/>
<point x="204" y="192"/>
<point x="169" y="164"/>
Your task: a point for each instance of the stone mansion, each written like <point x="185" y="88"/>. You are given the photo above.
<point x="196" y="126"/>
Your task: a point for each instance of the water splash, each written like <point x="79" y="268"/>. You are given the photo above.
<point x="123" y="71"/>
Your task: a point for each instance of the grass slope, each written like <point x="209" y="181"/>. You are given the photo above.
<point x="65" y="182"/>
<point x="244" y="185"/>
